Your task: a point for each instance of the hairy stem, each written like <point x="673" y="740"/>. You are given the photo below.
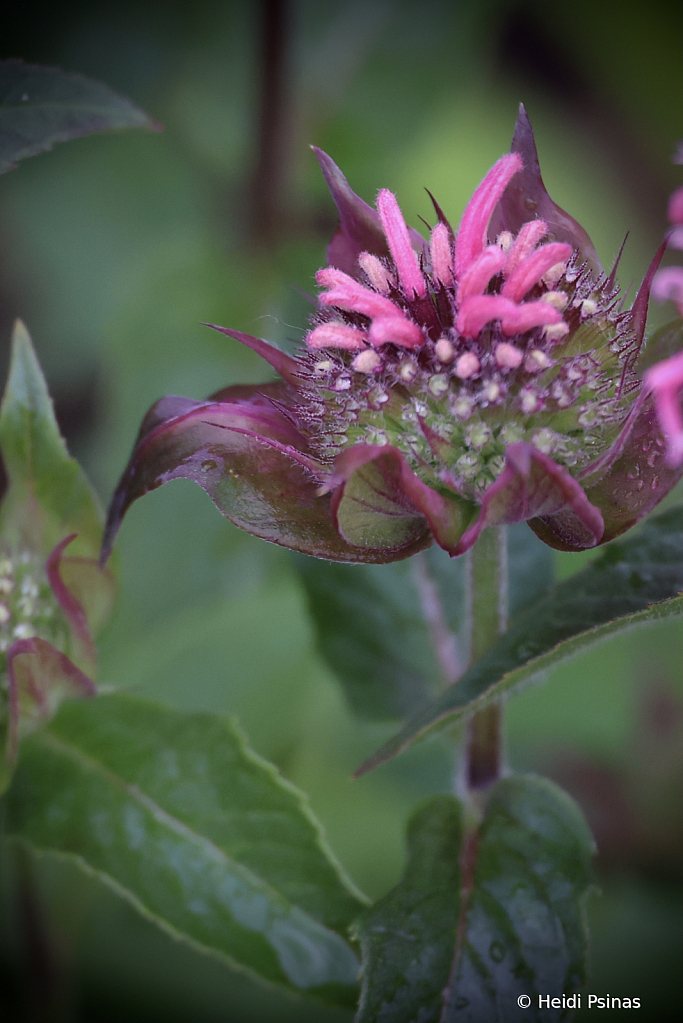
<point x="487" y="612"/>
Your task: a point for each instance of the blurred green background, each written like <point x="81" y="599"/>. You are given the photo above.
<point x="113" y="250"/>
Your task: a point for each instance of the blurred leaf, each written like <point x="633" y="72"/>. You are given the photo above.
<point x="43" y="105"/>
<point x="49" y="495"/>
<point x="390" y="632"/>
<point x="524" y="874"/>
<point x="408" y="938"/>
<point x="203" y="837"/>
<point x="635" y="582"/>
<point x="665" y="342"/>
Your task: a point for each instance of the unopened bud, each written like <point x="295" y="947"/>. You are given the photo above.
<point x="407" y="371"/>
<point x="557" y="299"/>
<point x="376" y="272"/>
<point x="444" y="350"/>
<point x="536" y="361"/>
<point x="492" y="391"/>
<point x="438" y="384"/>
<point x="508" y="356"/>
<point x="528" y="401"/>
<point x="467" y="365"/>
<point x="555" y="331"/>
<point x="367" y="362"/>
<point x="552" y="276"/>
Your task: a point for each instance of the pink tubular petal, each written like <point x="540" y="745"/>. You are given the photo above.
<point x="528" y="315"/>
<point x="526" y="241"/>
<point x="674" y="238"/>
<point x="667" y="286"/>
<point x="348" y="294"/>
<point x="402" y="251"/>
<point x="477" y="311"/>
<point x="336" y="335"/>
<point x="533" y="485"/>
<point x="441" y="254"/>
<point x="530" y="270"/>
<point x="477" y="276"/>
<point x="395" y="330"/>
<point x="665" y="380"/>
<point x="675" y="207"/>
<point x="471" y="237"/>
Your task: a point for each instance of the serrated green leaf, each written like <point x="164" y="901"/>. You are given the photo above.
<point x="174" y="813"/>
<point x="635" y="582"/>
<point x="408" y="938"/>
<point x="40" y="106"/>
<point x="432" y="954"/>
<point x="525" y="931"/>
<point x="49" y="495"/>
<point x="390" y="632"/>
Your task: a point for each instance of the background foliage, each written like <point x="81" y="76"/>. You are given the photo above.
<point x="113" y="249"/>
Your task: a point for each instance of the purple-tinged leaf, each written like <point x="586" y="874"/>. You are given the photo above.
<point x="40" y="106"/>
<point x="638" y="314"/>
<point x="526" y="198"/>
<point x="533" y="485"/>
<point x="360" y="228"/>
<point x="637" y="481"/>
<point x="380" y="502"/>
<point x="251" y="460"/>
<point x="84" y="651"/>
<point x="40" y="677"/>
<point x="284" y="364"/>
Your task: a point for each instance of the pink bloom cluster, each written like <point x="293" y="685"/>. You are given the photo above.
<point x="520" y="262"/>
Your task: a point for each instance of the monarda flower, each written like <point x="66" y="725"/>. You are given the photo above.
<point x="487" y="376"/>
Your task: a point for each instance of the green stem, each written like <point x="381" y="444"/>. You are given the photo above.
<point x="487" y="607"/>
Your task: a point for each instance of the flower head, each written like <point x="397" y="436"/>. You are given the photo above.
<point x="485" y="376"/>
